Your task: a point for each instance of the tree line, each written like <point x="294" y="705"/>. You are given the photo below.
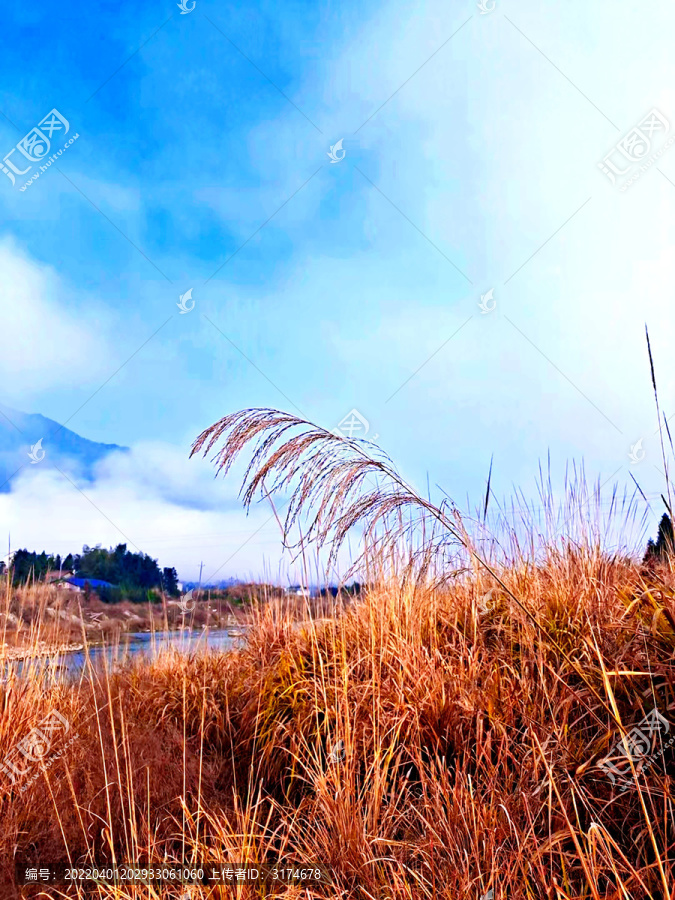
<point x="133" y="576"/>
<point x="138" y="577"/>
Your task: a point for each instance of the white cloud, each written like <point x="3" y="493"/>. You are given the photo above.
<point x="489" y="149"/>
<point x="165" y="472"/>
<point x="154" y="500"/>
<point x="48" y="339"/>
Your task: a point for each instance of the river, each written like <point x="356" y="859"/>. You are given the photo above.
<point x="133" y="646"/>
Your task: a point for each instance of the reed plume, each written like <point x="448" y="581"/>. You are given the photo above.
<point x="337" y="482"/>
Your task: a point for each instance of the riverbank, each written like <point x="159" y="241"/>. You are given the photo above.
<point x="41" y="620"/>
<point x="10" y="653"/>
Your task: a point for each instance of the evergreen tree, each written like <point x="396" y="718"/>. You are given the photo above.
<point x="170" y="582"/>
<point x="665" y="541"/>
<point x="29" y="566"/>
<point x="135" y="576"/>
<point x="119" y="567"/>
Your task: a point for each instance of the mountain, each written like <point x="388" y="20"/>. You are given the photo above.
<point x="21" y="432"/>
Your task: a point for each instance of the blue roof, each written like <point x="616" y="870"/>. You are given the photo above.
<point x="92" y="582"/>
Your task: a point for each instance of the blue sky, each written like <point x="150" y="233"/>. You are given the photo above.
<point x="472" y="144"/>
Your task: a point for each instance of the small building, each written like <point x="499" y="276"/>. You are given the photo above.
<point x="51" y="577"/>
<point x="79" y="584"/>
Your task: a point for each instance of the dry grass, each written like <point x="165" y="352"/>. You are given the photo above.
<point x="472" y="731"/>
<point x="470" y="746"/>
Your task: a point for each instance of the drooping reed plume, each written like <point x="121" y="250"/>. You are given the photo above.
<point x="336" y="482"/>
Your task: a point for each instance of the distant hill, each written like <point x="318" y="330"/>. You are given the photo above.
<point x="20" y="431"/>
<point x="213" y="585"/>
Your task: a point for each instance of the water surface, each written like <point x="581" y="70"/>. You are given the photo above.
<point x="134" y="646"/>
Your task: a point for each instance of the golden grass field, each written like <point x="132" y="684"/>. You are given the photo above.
<point x="438" y="737"/>
<point x="470" y="746"/>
